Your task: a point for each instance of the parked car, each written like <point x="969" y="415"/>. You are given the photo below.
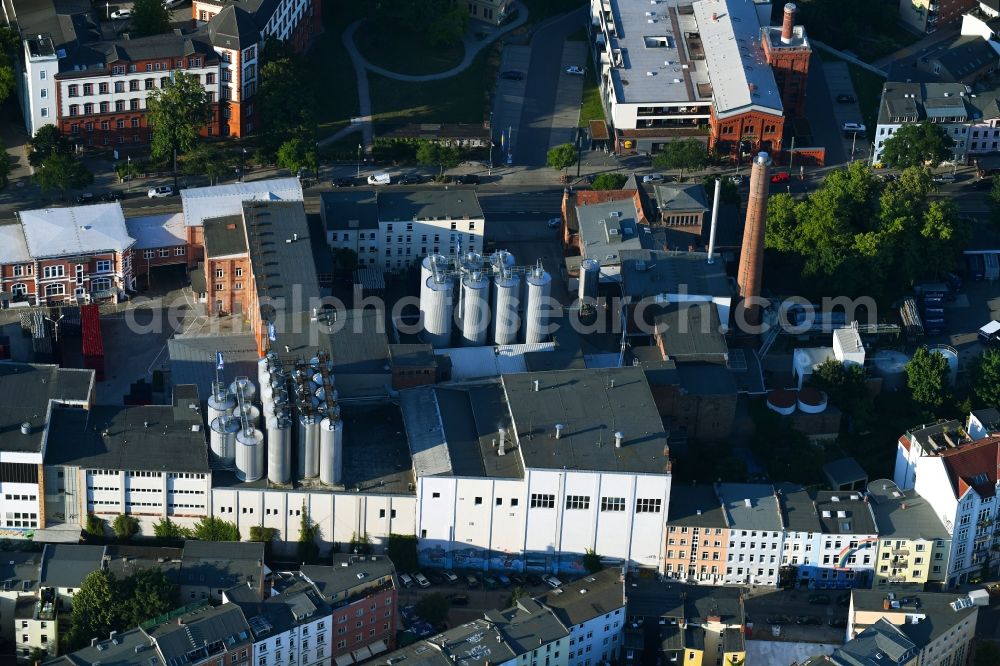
<point x="990" y="333"/>
<point x="808" y="620"/>
<point x="458" y="599"/>
<point x="468" y="179"/>
<point x="781" y="177"/>
<point x="380" y="179"/>
<point x="113" y="195"/>
<point x="653" y="178"/>
<point x="946" y="177"/>
<point x="409" y="180"/>
<point x="121" y="14"/>
<point x="406" y="580"/>
<point x="551" y="581"/>
<point x="344" y="182"/>
<point x="736" y="180"/>
<point x="512" y="75"/>
<point x="504" y="580"/>
<point x="434" y="577"/>
<point x="471" y="581"/>
<point x="491" y="582"/>
<point x="86" y="198"/>
<point x="161" y="191"/>
<point x="819" y="598"/>
<point x="421" y="580"/>
<point x="576" y="71"/>
<point x="853" y="128"/>
<point x="846" y="99"/>
<point x="174" y="3"/>
<point x="516" y="579"/>
<point x="450" y="576"/>
<point x="555" y="222"/>
<point x="533" y="579"/>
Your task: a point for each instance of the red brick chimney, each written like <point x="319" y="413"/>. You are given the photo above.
<point x="752" y="255"/>
<point x="788" y="23"/>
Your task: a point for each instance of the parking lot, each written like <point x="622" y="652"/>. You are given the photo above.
<point x="838" y="82"/>
<point x="799" y="615"/>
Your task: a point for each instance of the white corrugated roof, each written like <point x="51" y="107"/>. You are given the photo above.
<point x="424" y="433"/>
<point x="730" y="32"/>
<point x="201" y="203"/>
<point x="487" y="361"/>
<point x="54" y="232"/>
<point x="154" y="231"/>
<point x="12" y="246"/>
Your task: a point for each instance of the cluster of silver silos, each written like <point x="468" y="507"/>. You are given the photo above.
<point x="277" y="418"/>
<point x="234" y="421"/>
<point x="320" y="431"/>
<point x="486" y="297"/>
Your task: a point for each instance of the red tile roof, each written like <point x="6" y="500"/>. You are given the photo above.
<point x="905" y="441"/>
<point x="978" y="459"/>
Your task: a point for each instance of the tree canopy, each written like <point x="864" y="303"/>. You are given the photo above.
<point x="927" y="379"/>
<point x="685" y="154"/>
<point x="296" y="153"/>
<point x="846" y="387"/>
<point x="63" y="171"/>
<point x="284" y="97"/>
<point x="125" y="527"/>
<point x="440" y="21"/>
<point x="916" y="144"/>
<point x="168" y="529"/>
<point x="402" y="550"/>
<point x="211" y="160"/>
<point x="150" y="17"/>
<point x="10" y="46"/>
<point x="609" y="181"/>
<point x="47" y="140"/>
<point x="985" y="380"/>
<point x="856" y="235"/>
<point x="308" y="549"/>
<point x="431" y="153"/>
<point x="561" y="157"/>
<point x="177" y="113"/>
<point x="210" y="528"/>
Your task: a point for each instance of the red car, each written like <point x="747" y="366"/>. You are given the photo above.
<point x="780" y="177"/>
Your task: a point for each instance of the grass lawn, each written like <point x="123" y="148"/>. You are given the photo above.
<point x="593" y="108"/>
<point x="336" y="87"/>
<point x="458" y="99"/>
<point x="405" y="52"/>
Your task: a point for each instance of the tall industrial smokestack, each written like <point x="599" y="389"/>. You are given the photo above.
<point x="752" y="256"/>
<point x="788" y="23"/>
<point x="715" y="220"/>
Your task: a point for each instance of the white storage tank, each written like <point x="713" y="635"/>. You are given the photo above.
<point x="590" y="273"/>
<point x="222" y="440"/>
<point x="247" y="387"/>
<point x="537" y="315"/>
<point x="781" y="401"/>
<point x="220" y="403"/>
<point x="427" y="270"/>
<point x="279" y="449"/>
<point x="811" y="400"/>
<point x="248" y="411"/>
<point x="890" y="365"/>
<point x="249" y="455"/>
<point x="475" y="310"/>
<point x="951" y="355"/>
<point x="308" y="447"/>
<point x="501" y="260"/>
<point x="263" y="371"/>
<point x="437" y="311"/>
<point x="506" y="320"/>
<point x="331" y="450"/>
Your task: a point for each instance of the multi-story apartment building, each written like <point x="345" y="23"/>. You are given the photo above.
<point x="149" y="462"/>
<point x="756" y="532"/>
<point x="914" y="547"/>
<point x="78" y="254"/>
<point x="404" y="227"/>
<point x="224" y="638"/>
<point x="227" y="265"/>
<point x="943" y="104"/>
<point x="941" y="627"/>
<point x="542" y="488"/>
<point x="697" y="535"/>
<point x="593" y="609"/>
<point x="667" y="72"/>
<point x="94" y="89"/>
<point x="926" y="16"/>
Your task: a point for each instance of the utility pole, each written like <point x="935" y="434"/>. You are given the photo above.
<point x="791" y="156"/>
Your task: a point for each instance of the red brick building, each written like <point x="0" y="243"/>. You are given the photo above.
<point x="787" y="51"/>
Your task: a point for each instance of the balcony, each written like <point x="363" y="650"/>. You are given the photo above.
<point x="902" y="552"/>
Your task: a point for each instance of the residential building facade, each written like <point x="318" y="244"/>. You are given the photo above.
<point x="697" y="536"/>
<point x="942" y="104"/>
<point x="756" y="533"/>
<point x="914" y="547"/>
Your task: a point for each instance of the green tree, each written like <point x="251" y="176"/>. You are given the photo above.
<point x="845" y="385"/>
<point x="125" y="527"/>
<point x="917" y="144"/>
<point x="284" y="77"/>
<point x="515" y="594"/>
<point x="985" y="380"/>
<point x="402" y="550"/>
<point x="433" y="608"/>
<point x="5" y="166"/>
<point x="609" y="181"/>
<point x="168" y="529"/>
<point x="439" y="21"/>
<point x="210" y="528"/>
<point x="927" y="378"/>
<point x="150" y="17"/>
<point x="448" y="28"/>
<point x="37" y="656"/>
<point x="684" y="154"/>
<point x="308" y="549"/>
<point x="177" y="113"/>
<point x="63" y="171"/>
<point x="146" y="594"/>
<point x="264" y="535"/>
<point x="97" y="609"/>
<point x="360" y="544"/>
<point x="94" y="525"/>
<point x="296" y="153"/>
<point x="47" y="140"/>
<point x="730" y="194"/>
<point x="209" y="159"/>
<point x="561" y="157"/>
<point x="592" y="561"/>
<point x="431" y="153"/>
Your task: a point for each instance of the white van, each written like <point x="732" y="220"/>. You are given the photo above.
<point x="379" y="179"/>
<point x="406" y="580"/>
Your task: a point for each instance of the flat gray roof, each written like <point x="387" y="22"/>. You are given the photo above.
<point x="695" y="506"/>
<point x="589" y="597"/>
<point x="224" y="236"/>
<point x="762" y="513"/>
<point x="346" y="211"/>
<point x="691" y="332"/>
<point x="591" y="405"/>
<point x="939" y="616"/>
<point x="66" y="565"/>
<point x="222" y="564"/>
<point x="342" y="578"/>
<point x="903" y="513"/>
<point x="281" y="253"/>
<point x="797" y="508"/>
<point x="672" y="197"/>
<point x="650" y="598"/>
<point x="741" y="78"/>
<point x="848" y="513"/>
<point x="132" y="647"/>
<point x="355" y="339"/>
<point x="608" y="229"/>
<point x="429" y="205"/>
<point x="27" y="390"/>
<point x="654" y="272"/>
<point x="192" y="359"/>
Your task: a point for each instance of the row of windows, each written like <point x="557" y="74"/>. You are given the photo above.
<point x="20" y="498"/>
<point x="164" y="252"/>
<point x="19" y="270"/>
<point x="236" y="285"/>
<point x="219" y="273"/>
<point x="158" y="66"/>
<point x="642" y="505"/>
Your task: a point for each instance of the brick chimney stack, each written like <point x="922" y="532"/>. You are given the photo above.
<point x="752" y="255"/>
<point x="788" y="23"/>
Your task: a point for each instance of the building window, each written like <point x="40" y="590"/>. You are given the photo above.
<point x="53" y="271"/>
<point x="648" y="505"/>
<point x="55" y="289"/>
<point x="148" y="254"/>
<point x="577" y="502"/>
<point x="542" y="501"/>
<point x="219" y="273"/>
<point x="612" y="504"/>
<point x="103" y="265"/>
<point x="73" y="91"/>
<point x="74" y="109"/>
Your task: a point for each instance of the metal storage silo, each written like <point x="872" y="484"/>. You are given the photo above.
<point x="279" y="449"/>
<point x="248" y="412"/>
<point x="331" y="450"/>
<point x="427" y="270"/>
<point x="501" y="260"/>
<point x="536" y="318"/>
<point x="249" y="455"/>
<point x="436" y="311"/>
<point x="244" y="384"/>
<point x="222" y="440"/>
<point x="475" y="309"/>
<point x="263" y="371"/>
<point x="506" y="320"/>
<point x="590" y="272"/>
<point x="308" y="447"/>
<point x="220" y="403"/>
